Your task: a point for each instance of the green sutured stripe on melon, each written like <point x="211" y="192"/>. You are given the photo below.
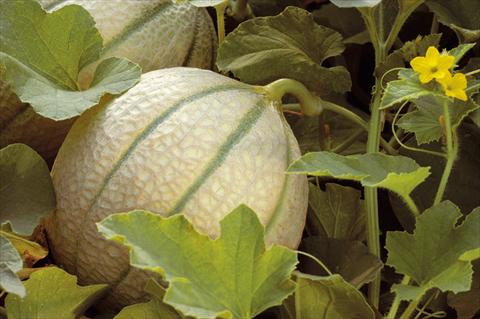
<point x="146" y="16"/>
<point x="244" y="127"/>
<point x="143" y="135"/>
<point x="135" y="25"/>
<point x="284" y="193"/>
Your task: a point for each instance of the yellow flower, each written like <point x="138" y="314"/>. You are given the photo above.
<point x="433" y="65"/>
<point x="455" y="86"/>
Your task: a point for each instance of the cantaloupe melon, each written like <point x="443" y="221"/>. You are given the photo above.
<point x="153" y="33"/>
<point x="183" y="140"/>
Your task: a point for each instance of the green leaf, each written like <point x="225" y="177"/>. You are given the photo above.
<point x="350" y="259"/>
<point x="475" y="117"/>
<point x="397" y="173"/>
<point x="347" y="21"/>
<point x="50" y="292"/>
<point x="41" y="55"/>
<point x="463" y="183"/>
<point x="465" y="303"/>
<point x="424" y="122"/>
<point x="460" y="51"/>
<point x="10" y="264"/>
<point x="339" y="212"/>
<point x="329" y="298"/>
<point x="26" y="190"/>
<point x="146" y="310"/>
<point x="422" y="255"/>
<point x="263" y="8"/>
<point x="289" y="45"/>
<point x="460" y="15"/>
<point x="407" y="88"/>
<point x="381" y="18"/>
<point x="232" y="276"/>
<point x="355" y="3"/>
<point x="406" y="53"/>
<point x="310" y="133"/>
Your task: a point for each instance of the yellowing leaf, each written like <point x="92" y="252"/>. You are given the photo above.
<point x="41" y="55"/>
<point x="26" y="190"/>
<point x="397" y="173"/>
<point x="52" y="293"/>
<point x="289" y="45"/>
<point x="147" y="310"/>
<point x="30" y="251"/>
<point x="430" y="256"/>
<point x="230" y="277"/>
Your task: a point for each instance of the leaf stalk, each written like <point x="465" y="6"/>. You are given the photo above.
<point x="452" y="151"/>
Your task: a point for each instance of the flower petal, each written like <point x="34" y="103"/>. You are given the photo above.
<point x="445" y="62"/>
<point x="420" y="65"/>
<point x="426" y="77"/>
<point x="459" y="81"/>
<point x="432" y="53"/>
<point x="441" y="74"/>
<point x="459" y="94"/>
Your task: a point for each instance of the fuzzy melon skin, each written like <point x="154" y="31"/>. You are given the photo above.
<point x="153" y="33"/>
<point x="185" y="141"/>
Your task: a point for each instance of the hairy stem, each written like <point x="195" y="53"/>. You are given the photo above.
<point x="392" y="313"/>
<point x="452" y="150"/>
<point x="220" y="13"/>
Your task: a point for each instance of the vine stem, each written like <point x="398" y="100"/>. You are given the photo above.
<point x="371" y="195"/>
<point x="472" y="72"/>
<point x="318" y="261"/>
<point x="452" y="150"/>
<point x="220" y="13"/>
<point x="315" y="106"/>
<point x="396" y="301"/>
<point x="397" y="139"/>
<point x="411" y="308"/>
<point x="412" y="206"/>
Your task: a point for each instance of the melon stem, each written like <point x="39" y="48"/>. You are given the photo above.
<point x="312" y="105"/>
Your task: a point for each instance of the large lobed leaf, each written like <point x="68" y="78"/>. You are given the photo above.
<point x="424" y="122"/>
<point x="434" y="256"/>
<point x="338" y="212"/>
<point x="289" y="45"/>
<point x="146" y="310"/>
<point x="329" y="297"/>
<point x="26" y="190"/>
<point x="407" y="87"/>
<point x="51" y="292"/>
<point x="460" y="15"/>
<point x="232" y="276"/>
<point x="41" y="55"/>
<point x="350" y="259"/>
<point x="399" y="174"/>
